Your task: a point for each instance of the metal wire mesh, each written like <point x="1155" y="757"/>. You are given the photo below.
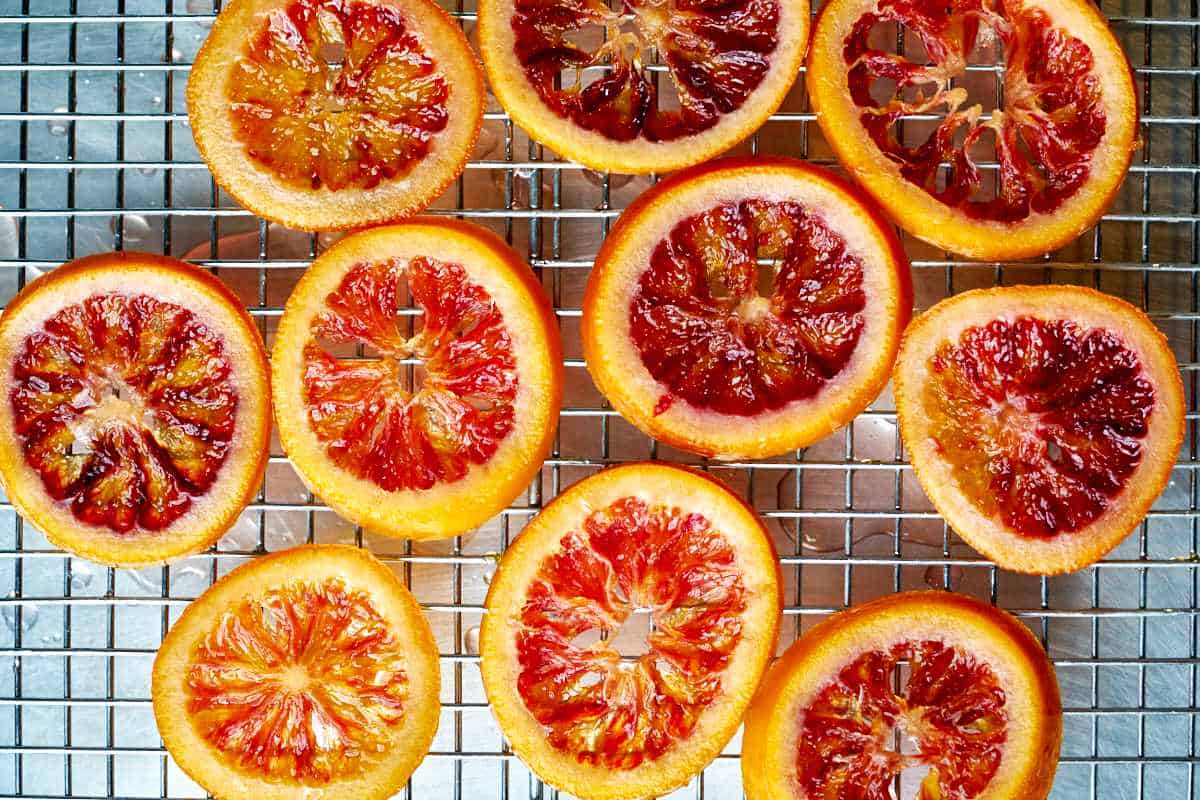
<point x="95" y="154"/>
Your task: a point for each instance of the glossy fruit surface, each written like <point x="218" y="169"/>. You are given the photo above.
<point x="308" y="672"/>
<point x="136" y="419"/>
<point x="334" y="114"/>
<point x="575" y="74"/>
<point x="1042" y="422"/>
<point x="1022" y="180"/>
<point x="966" y="688"/>
<point x="632" y="539"/>
<point x="745" y="308"/>
<point x="417" y="377"/>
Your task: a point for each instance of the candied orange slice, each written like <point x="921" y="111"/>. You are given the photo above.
<point x="999" y="183"/>
<point x="1042" y="422"/>
<point x="325" y="115"/>
<point x="417" y="377"/>
<point x="137" y="414"/>
<point x="948" y="696"/>
<point x="578" y="74"/>
<point x="746" y="307"/>
<point x="310" y="672"/>
<point x="638" y="539"/>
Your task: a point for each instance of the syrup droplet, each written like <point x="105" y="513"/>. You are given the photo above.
<point x="81" y="576"/>
<point x="28" y="615"/>
<point x="57" y="127"/>
<point x="471" y="640"/>
<point x="188" y="580"/>
<point x="488" y="142"/>
<point x="136" y="228"/>
<point x="143" y="580"/>
<point x="615" y="180"/>
<point x="938" y="577"/>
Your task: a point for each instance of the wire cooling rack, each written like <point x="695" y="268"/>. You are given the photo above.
<point x="95" y="154"/>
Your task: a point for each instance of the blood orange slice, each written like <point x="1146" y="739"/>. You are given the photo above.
<point x="636" y="538"/>
<point x="417" y="377"/>
<point x="1061" y="141"/>
<point x="948" y="696"/>
<point x="135" y="409"/>
<point x="577" y="74"/>
<point x="327" y="115"/>
<point x="306" y="673"/>
<point x="1042" y="422"/>
<point x="746" y="308"/>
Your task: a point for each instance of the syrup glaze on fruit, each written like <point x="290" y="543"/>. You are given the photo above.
<point x="125" y="406"/>
<point x="304" y="682"/>
<point x="337" y="94"/>
<point x="721" y="332"/>
<point x="950" y="706"/>
<point x="372" y="422"/>
<point x="1042" y="420"/>
<point x="628" y="556"/>
<point x="716" y="53"/>
<point x="1043" y="137"/>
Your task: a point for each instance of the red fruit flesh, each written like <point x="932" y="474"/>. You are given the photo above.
<point x="1042" y="420"/>
<point x="723" y="334"/>
<point x="126" y="408"/>
<point x="1043" y="138"/>
<point x="950" y="707"/>
<point x="595" y="706"/>
<point x="303" y="682"/>
<point x="371" y="424"/>
<point x="716" y="53"/>
<point x="337" y="94"/>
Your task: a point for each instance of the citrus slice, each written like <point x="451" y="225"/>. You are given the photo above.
<point x="1022" y="180"/>
<point x="576" y="74"/>
<point x="325" y="115"/>
<point x="135" y="418"/>
<point x="636" y="538"/>
<point x="306" y="673"/>
<point x="424" y="421"/>
<point x="1042" y="421"/>
<point x="947" y="696"/>
<point x="746" y="307"/>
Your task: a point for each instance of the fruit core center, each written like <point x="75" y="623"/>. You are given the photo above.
<point x="591" y="63"/>
<point x="125" y="406"/>
<point x="1015" y="418"/>
<point x="294" y="678"/>
<point x="753" y="309"/>
<point x="664" y="586"/>
<point x="919" y="708"/>
<point x="633" y="34"/>
<point x="627" y="636"/>
<point x="112" y="402"/>
<point x="1043" y="421"/>
<point x="337" y="95"/>
<point x="328" y="681"/>
<point x="1028" y="156"/>
<point x="747" y="307"/>
<point x="401" y="407"/>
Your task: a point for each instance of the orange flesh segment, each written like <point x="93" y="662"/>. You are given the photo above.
<point x="304" y="682"/>
<point x="721" y="332"/>
<point x="630" y="555"/>
<point x="1042" y="420"/>
<point x="950" y="710"/>
<point x="360" y="409"/>
<point x="337" y="94"/>
<point x="1043" y="138"/>
<point x="126" y="407"/>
